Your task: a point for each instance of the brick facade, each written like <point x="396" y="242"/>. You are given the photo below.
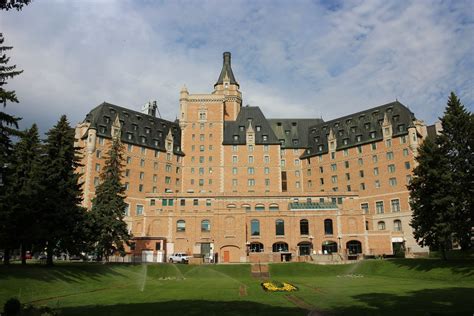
<point x="225" y="183"/>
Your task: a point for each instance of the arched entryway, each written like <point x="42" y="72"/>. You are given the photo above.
<point x="329" y="247"/>
<point x="305" y="248"/>
<point x="354" y="247"/>
<point x="229" y="253"/>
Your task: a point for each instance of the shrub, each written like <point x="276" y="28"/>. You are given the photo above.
<point x="12" y="307"/>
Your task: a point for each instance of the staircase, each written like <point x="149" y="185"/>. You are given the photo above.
<point x="260" y="270"/>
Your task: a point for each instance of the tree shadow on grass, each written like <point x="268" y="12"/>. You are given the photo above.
<point x="446" y="301"/>
<point x="185" y="307"/>
<point x="461" y="267"/>
<point x="68" y="272"/>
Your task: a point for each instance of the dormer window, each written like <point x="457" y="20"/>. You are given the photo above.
<point x="372" y="135"/>
<point x="259" y="128"/>
<point x="107" y="119"/>
<point x="316" y="139"/>
<point x="287" y="132"/>
<point x="389" y="110"/>
<point x="367" y="126"/>
<point x="293" y="123"/>
<point x="401" y="127"/>
<point x="345" y="141"/>
<point x="341" y="132"/>
<point x="359" y="138"/>
<point x="320" y="147"/>
<point x="135" y="127"/>
<point x="139" y="117"/>
<point x="126" y="114"/>
<point x="147" y="130"/>
<point x="102" y="129"/>
<point x="395" y="118"/>
<point x="282" y="141"/>
<point x="353" y="129"/>
<point x="336" y="124"/>
<point x="313" y="131"/>
<point x="156" y="142"/>
<point x="236" y="138"/>
<point x="264" y="138"/>
<point x="112" y="111"/>
<point x="160" y="134"/>
<point x="295" y="142"/>
<point x="241" y="128"/>
<point x="143" y="139"/>
<point x="129" y="136"/>
<point x="349" y="121"/>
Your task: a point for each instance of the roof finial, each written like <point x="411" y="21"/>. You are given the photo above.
<point x="226" y="72"/>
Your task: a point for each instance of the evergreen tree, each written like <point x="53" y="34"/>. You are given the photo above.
<point x="457" y="141"/>
<point x="13" y="4"/>
<point x="429" y="198"/>
<point x="8" y="127"/>
<point x="25" y="190"/>
<point x="108" y="206"/>
<point x="61" y="215"/>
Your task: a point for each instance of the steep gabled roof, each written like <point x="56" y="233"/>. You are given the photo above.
<point x="359" y="128"/>
<point x="235" y="131"/>
<point x="137" y="128"/>
<point x="292" y="133"/>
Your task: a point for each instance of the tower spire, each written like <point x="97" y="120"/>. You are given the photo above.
<point x="226" y="73"/>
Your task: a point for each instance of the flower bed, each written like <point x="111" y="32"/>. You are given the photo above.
<point x="273" y="286"/>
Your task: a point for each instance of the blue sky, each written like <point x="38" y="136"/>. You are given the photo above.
<point x="292" y="58"/>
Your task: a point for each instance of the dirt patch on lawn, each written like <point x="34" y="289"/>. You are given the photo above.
<point x="243" y="290"/>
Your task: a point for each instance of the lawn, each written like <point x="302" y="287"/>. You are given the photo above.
<point x="388" y="287"/>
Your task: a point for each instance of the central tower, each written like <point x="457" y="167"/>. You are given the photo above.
<point x="202" y="118"/>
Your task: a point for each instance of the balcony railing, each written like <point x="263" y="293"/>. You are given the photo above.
<point x="311" y="206"/>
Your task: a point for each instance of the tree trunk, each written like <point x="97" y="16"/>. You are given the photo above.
<point x="49" y="254"/>
<point x="6" y="257"/>
<point x="23" y="254"/>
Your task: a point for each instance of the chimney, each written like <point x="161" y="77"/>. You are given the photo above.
<point x="152" y="109"/>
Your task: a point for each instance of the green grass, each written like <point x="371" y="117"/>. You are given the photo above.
<point x="416" y="287"/>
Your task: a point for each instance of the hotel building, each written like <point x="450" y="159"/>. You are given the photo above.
<point x="227" y="183"/>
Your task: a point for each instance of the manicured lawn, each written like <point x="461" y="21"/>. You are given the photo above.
<point x="414" y="287"/>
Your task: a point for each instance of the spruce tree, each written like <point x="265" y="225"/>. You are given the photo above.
<point x="61" y="214"/>
<point x="430" y="199"/>
<point x="108" y="206"/>
<point x="25" y="190"/>
<point x="8" y="127"/>
<point x="457" y="141"/>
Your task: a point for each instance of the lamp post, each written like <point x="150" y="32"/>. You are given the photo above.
<point x="339" y="244"/>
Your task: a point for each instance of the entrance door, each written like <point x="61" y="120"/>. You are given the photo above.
<point x="226" y="256"/>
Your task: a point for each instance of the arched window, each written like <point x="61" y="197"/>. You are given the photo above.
<point x="280" y="247"/>
<point x="329" y="247"/>
<point x="304" y="227"/>
<point x="231" y="205"/>
<point x="246" y="207"/>
<point x="205" y="225"/>
<point x="328" y="227"/>
<point x="305" y="248"/>
<point x="255" y="227"/>
<point x="354" y="247"/>
<point x="397" y="225"/>
<point x="180" y="226"/>
<point x="260" y="207"/>
<point x="279" y="227"/>
<point x="274" y="207"/>
<point x="256" y="247"/>
<point x="381" y="225"/>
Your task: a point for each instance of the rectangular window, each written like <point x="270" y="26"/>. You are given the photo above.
<point x="375" y="159"/>
<point x="346" y="164"/>
<point x="395" y="205"/>
<point x="139" y="209"/>
<point x="234" y="159"/>
<point x="379" y="207"/>
<point x="333" y="167"/>
<point x="266" y="170"/>
<point x="251" y="182"/>
<point x="365" y="208"/>
<point x="389" y="155"/>
<point x="407" y="165"/>
<point x="234" y="170"/>
<point x="142" y="162"/>
<point x="392" y="182"/>
<point x="334" y="179"/>
<point x="405" y="152"/>
<point x="142" y="175"/>
<point x="377" y="184"/>
<point x="391" y="168"/>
